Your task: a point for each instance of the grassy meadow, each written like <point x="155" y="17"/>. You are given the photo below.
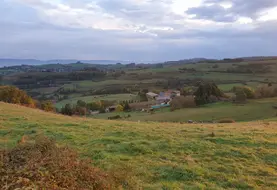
<point x="159" y="155"/>
<point x="88" y="99"/>
<point x="259" y="109"/>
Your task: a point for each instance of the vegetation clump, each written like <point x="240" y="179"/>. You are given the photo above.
<point x="11" y="94"/>
<point x="266" y="91"/>
<point x="205" y="91"/>
<point x="182" y="102"/>
<point x="43" y="165"/>
<point x="249" y="92"/>
<point x="227" y="120"/>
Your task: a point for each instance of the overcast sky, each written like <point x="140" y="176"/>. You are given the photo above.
<point x="137" y="29"/>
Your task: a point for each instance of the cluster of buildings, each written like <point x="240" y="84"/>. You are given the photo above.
<point x="163" y="98"/>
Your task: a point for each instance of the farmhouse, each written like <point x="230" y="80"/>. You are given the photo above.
<point x="151" y="96"/>
<point x="110" y="109"/>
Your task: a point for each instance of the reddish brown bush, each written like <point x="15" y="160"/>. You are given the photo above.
<point x="227" y="120"/>
<point x="266" y="91"/>
<point x="43" y="165"/>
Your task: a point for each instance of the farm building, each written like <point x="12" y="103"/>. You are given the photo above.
<point x="151" y="96"/>
<point x="163" y="99"/>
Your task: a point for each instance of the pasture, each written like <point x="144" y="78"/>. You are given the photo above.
<point x="159" y="155"/>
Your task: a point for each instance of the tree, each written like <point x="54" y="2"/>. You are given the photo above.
<point x="47" y="106"/>
<point x="81" y="103"/>
<point x="142" y="95"/>
<point x="204" y="91"/>
<point x="126" y="106"/>
<point x="93" y="106"/>
<point x="182" y="102"/>
<point x="249" y="92"/>
<point x="241" y="96"/>
<point x="80" y="110"/>
<point x="67" y="110"/>
<point x="119" y="108"/>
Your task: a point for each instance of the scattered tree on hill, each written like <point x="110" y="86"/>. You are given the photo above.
<point x="81" y="103"/>
<point x="67" y="110"/>
<point x="47" y="106"/>
<point x="204" y="91"/>
<point x="79" y="110"/>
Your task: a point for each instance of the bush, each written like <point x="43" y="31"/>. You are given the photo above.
<point x="227" y="120"/>
<point x="11" y="94"/>
<point x="114" y="117"/>
<point x="43" y="165"/>
<point x="119" y="108"/>
<point x="67" y="110"/>
<point x="266" y="91"/>
<point x="47" y="106"/>
<point x="240" y="97"/>
<point x="182" y="102"/>
<point x="249" y="92"/>
<point x="80" y="110"/>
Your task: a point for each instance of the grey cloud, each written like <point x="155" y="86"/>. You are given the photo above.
<point x="29" y="36"/>
<point x="241" y="8"/>
<point x="214" y="12"/>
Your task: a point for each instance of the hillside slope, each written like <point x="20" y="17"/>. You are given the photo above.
<point x="159" y="155"/>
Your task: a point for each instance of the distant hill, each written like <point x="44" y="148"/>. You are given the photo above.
<point x="14" y="62"/>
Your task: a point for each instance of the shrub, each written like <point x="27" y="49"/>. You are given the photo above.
<point x="119" y="108"/>
<point x="67" y="110"/>
<point x="114" y="117"/>
<point x="126" y="106"/>
<point x="182" y="102"/>
<point x="240" y="96"/>
<point x="266" y="91"/>
<point x="93" y="106"/>
<point x="81" y="103"/>
<point x="249" y="92"/>
<point x="11" y="94"/>
<point x="227" y="120"/>
<point x="80" y="110"/>
<point x="47" y="106"/>
<point x="43" y="165"/>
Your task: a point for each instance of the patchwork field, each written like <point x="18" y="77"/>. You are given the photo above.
<point x="160" y="155"/>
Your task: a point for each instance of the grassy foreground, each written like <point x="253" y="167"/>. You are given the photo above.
<point x="160" y="155"/>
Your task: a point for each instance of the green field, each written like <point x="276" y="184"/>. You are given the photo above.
<point x="88" y="99"/>
<point x="253" y="110"/>
<point x="159" y="155"/>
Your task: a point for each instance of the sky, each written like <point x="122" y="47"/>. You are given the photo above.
<point x="137" y="29"/>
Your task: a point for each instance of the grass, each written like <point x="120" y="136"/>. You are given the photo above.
<point x="253" y="110"/>
<point x="88" y="99"/>
<point x="159" y="155"/>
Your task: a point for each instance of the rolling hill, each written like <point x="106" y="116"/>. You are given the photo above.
<point x="159" y="155"/>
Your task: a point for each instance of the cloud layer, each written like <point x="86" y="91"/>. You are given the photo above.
<point x="137" y="29"/>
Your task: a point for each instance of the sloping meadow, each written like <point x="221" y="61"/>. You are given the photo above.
<point x="158" y="155"/>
